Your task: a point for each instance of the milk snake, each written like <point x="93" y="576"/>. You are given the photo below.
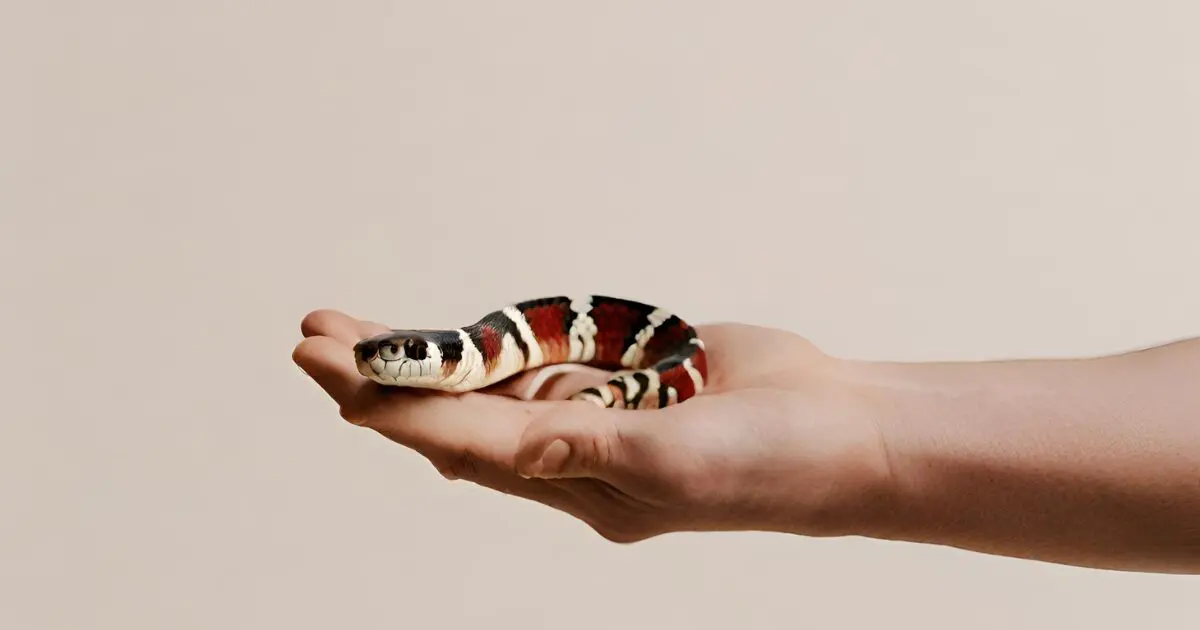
<point x="657" y="358"/>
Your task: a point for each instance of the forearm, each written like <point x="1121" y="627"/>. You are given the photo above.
<point x="1092" y="462"/>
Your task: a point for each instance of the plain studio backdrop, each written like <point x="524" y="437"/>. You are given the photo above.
<point x="181" y="182"/>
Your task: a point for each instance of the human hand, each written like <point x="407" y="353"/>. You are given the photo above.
<point x="776" y="441"/>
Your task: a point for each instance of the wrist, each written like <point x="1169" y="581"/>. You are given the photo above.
<point x="874" y="473"/>
<point x="969" y="444"/>
<point x="846" y="483"/>
<point x="955" y="440"/>
<point x="900" y="409"/>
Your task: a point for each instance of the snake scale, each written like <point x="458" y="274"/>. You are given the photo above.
<point x="657" y="359"/>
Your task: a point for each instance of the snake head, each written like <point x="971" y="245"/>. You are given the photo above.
<point x="399" y="357"/>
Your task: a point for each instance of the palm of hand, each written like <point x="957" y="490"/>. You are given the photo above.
<point x="767" y="445"/>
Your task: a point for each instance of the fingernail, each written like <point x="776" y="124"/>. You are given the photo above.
<point x="552" y="461"/>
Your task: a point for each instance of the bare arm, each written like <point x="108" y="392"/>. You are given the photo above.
<point x="1091" y="462"/>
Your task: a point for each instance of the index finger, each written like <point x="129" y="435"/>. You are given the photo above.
<point x="331" y="365"/>
<point x="473" y="425"/>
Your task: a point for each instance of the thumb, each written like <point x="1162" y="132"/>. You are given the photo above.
<point x="576" y="439"/>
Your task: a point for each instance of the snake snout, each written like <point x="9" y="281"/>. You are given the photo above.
<point x="366" y="349"/>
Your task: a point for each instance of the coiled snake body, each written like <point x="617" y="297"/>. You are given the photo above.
<point x="657" y="358"/>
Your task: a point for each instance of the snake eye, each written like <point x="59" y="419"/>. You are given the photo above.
<point x="415" y="349"/>
<point x="389" y="351"/>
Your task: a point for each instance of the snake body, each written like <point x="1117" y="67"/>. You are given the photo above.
<point x="657" y="358"/>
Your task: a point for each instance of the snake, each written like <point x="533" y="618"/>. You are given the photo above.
<point x="655" y="357"/>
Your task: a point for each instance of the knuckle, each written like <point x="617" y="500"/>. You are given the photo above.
<point x="463" y="465"/>
<point x="605" y="446"/>
<point x="607" y="441"/>
<point x="313" y="322"/>
<point x="621" y="534"/>
<point x="627" y="526"/>
<point x="598" y="452"/>
<point x="353" y="416"/>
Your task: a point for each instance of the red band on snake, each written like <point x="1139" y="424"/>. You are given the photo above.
<point x="657" y="358"/>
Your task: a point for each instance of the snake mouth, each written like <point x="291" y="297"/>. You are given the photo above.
<point x="367" y="356"/>
<point x="397" y="358"/>
<point x="367" y="349"/>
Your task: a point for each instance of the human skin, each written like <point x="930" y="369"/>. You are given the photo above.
<point x="1091" y="461"/>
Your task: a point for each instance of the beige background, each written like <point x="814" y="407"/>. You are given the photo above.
<point x="181" y="182"/>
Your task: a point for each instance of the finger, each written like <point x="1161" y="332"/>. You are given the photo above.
<point x="587" y="505"/>
<point x="502" y="479"/>
<point x="338" y="325"/>
<point x="537" y="490"/>
<point x="579" y="441"/>
<point x="473" y="426"/>
<point x="330" y="363"/>
<point x="367" y="328"/>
